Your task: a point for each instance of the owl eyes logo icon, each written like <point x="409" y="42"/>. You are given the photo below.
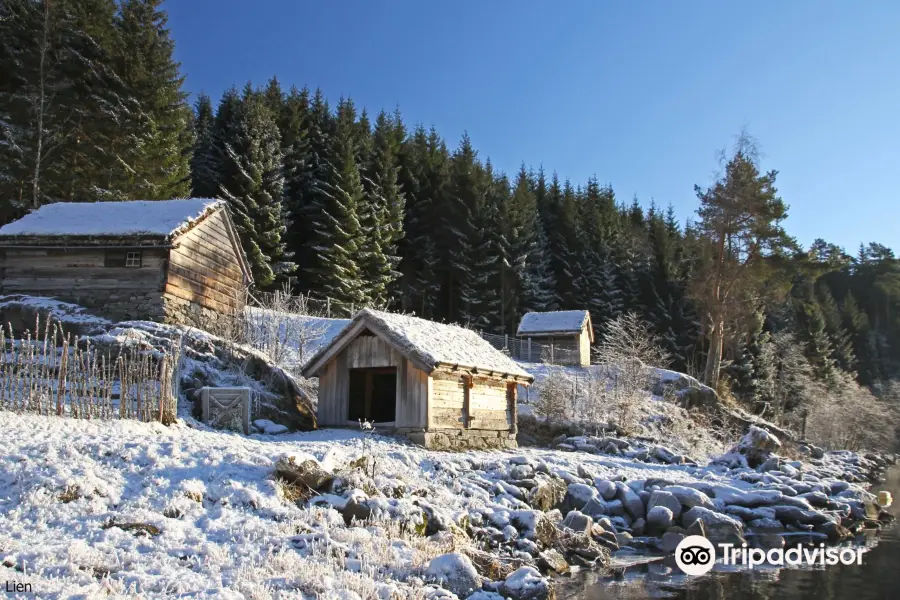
<point x="695" y="555"/>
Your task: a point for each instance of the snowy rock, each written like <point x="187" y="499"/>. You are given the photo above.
<point x="553" y="560"/>
<point x="455" y="572"/>
<point x="719" y="527"/>
<point x="670" y="541"/>
<point x="526" y="583"/>
<point x="607" y="489"/>
<point x="659" y="517"/>
<point x="765" y="525"/>
<point x="577" y="522"/>
<point x="269" y="428"/>
<point x="548" y="495"/>
<point x="579" y="494"/>
<point x="750" y="498"/>
<point x="595" y="507"/>
<point x="630" y="500"/>
<point x="689" y="497"/>
<point x="797" y="515"/>
<point x="521" y="471"/>
<point x="308" y="473"/>
<point x="666" y="499"/>
<point x="757" y="445"/>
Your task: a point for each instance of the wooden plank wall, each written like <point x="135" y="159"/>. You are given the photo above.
<point x="412" y="396"/>
<point x="334" y="393"/>
<point x="446" y="401"/>
<point x="204" y="267"/>
<point x="72" y="273"/>
<point x="371" y="351"/>
<point x="488" y="405"/>
<point x="585" y="347"/>
<point x="368" y="351"/>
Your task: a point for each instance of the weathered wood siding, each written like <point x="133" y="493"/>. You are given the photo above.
<point x="334" y="393"/>
<point x="80" y="276"/>
<point x="446" y="401"/>
<point x="57" y="272"/>
<point x="412" y="396"/>
<point x="488" y="407"/>
<point x="585" y="347"/>
<point x="204" y="267"/>
<point x="369" y="351"/>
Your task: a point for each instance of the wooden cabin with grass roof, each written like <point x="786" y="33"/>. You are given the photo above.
<point x="178" y="261"/>
<point x="441" y="385"/>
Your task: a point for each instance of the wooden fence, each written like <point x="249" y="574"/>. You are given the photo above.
<point x="47" y="372"/>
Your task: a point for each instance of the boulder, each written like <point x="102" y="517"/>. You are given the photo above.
<point x="689" y="497"/>
<point x="308" y="473"/>
<point x="630" y="500"/>
<point x="547" y="495"/>
<point x="526" y="583"/>
<point x="607" y="489"/>
<point x="579" y="494"/>
<point x="757" y="446"/>
<point x="553" y="560"/>
<point x="455" y="572"/>
<point x="719" y="527"/>
<point x="595" y="507"/>
<point x="666" y="499"/>
<point x="577" y="522"/>
<point x="659" y="518"/>
<point x="670" y="541"/>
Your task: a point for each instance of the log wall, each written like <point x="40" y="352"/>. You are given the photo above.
<point x="204" y="279"/>
<point x="80" y="276"/>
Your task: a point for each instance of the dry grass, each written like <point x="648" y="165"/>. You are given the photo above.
<point x="49" y="373"/>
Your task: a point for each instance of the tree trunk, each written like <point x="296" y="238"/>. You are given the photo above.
<point x="714" y="358"/>
<point x="41" y="103"/>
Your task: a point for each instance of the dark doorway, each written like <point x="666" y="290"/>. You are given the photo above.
<point x="373" y="394"/>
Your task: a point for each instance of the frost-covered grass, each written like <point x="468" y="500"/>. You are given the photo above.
<point x="224" y="526"/>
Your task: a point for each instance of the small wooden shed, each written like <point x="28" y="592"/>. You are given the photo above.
<point x="568" y="333"/>
<point x="441" y="385"/>
<point x="178" y="261"/>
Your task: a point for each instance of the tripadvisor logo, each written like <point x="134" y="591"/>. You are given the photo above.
<point x="696" y="555"/>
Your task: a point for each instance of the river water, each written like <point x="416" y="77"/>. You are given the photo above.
<point x="878" y="578"/>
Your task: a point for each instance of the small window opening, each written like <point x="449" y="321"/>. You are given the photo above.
<point x="133" y="260"/>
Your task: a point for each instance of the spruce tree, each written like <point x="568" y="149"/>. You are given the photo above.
<point x="338" y="232"/>
<point x="156" y="143"/>
<point x="252" y="183"/>
<point x="309" y="195"/>
<point x="293" y="125"/>
<point x="383" y="219"/>
<point x="465" y="194"/>
<point x="204" y="178"/>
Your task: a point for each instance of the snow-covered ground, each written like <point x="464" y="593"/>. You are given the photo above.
<point x="121" y="507"/>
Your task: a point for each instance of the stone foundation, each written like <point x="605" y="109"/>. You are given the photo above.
<point x="462" y="439"/>
<point x="185" y="312"/>
<point x="118" y="305"/>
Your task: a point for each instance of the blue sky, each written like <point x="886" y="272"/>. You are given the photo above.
<point x="642" y="94"/>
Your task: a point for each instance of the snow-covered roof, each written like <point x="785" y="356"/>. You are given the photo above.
<point x="558" y="321"/>
<point x="151" y="218"/>
<point x="427" y="344"/>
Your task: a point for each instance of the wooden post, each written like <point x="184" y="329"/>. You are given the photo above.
<point x="529" y="350"/>
<point x="467" y="395"/>
<point x="328" y="307"/>
<point x="513" y="406"/>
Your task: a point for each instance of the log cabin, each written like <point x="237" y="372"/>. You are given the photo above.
<point x="442" y="386"/>
<point x="177" y="261"/>
<point x="568" y="332"/>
